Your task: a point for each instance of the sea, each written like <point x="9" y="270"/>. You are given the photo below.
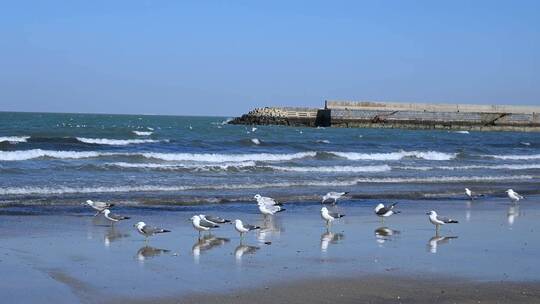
<point x="49" y="158"/>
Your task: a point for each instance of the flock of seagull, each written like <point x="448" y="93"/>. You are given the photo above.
<point x="269" y="206"/>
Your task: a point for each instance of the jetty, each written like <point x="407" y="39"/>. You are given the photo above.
<point x="370" y="114"/>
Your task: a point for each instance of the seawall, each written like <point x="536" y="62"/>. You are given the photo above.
<point x="366" y="114"/>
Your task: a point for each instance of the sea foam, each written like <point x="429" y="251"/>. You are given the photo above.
<point x="428" y="155"/>
<point x="115" y="142"/>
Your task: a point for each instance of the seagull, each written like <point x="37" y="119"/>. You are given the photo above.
<point x="113" y="217"/>
<point x="514" y="196"/>
<point x="329" y="217"/>
<point x="99" y="206"/>
<point x="243" y="228"/>
<point x="469" y="193"/>
<point x="269" y="209"/>
<point x="253" y="129"/>
<point x="202" y="225"/>
<point x="382" y="211"/>
<point x="266" y="200"/>
<point x="439" y="220"/>
<point x="214" y="219"/>
<point x="333" y="196"/>
<point x="147" y="231"/>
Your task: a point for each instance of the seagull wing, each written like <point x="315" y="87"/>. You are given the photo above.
<point x="251" y="227"/>
<point x="118" y="217"/>
<point x="446" y="220"/>
<point x="216" y="219"/>
<point x="336" y="215"/>
<point x="206" y="223"/>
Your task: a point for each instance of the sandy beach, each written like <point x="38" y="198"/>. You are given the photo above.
<point x="69" y="256"/>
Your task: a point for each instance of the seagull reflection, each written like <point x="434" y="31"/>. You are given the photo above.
<point x="512" y="214"/>
<point x="270" y="228"/>
<point x="328" y="238"/>
<point x="438" y="240"/>
<point x="112" y="235"/>
<point x="242" y="249"/>
<point x="205" y="243"/>
<point x="383" y="234"/>
<point x="147" y="252"/>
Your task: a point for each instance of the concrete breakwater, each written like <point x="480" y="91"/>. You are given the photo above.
<point x="366" y="114"/>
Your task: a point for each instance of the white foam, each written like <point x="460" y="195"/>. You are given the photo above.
<point x="462" y="132"/>
<point x="323" y="141"/>
<point x="219" y="158"/>
<point x="336" y="169"/>
<point x="14" y="139"/>
<point x="514" y="157"/>
<point x="256" y="141"/>
<point x="428" y="155"/>
<point x="143" y="133"/>
<point x="159" y="188"/>
<point x="472" y="167"/>
<point x="115" y="142"/>
<point x="203" y="167"/>
<point x="37" y="153"/>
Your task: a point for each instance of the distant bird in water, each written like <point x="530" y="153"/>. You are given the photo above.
<point x="329" y="217"/>
<point x="113" y="217"/>
<point x="382" y="211"/>
<point x="439" y="220"/>
<point x="147" y="231"/>
<point x="243" y="228"/>
<point x="333" y="196"/>
<point x="202" y="225"/>
<point x="514" y="196"/>
<point x="99" y="206"/>
<point x="471" y="195"/>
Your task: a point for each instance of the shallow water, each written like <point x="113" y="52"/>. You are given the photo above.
<point x="65" y="254"/>
<point x="68" y="158"/>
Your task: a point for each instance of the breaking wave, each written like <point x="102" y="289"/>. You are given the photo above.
<point x="515" y="157"/>
<point x="429" y="155"/>
<point x="14" y="139"/>
<point x="115" y="142"/>
<point x="143" y="133"/>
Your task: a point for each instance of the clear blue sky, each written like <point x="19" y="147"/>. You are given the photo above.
<point x="218" y="58"/>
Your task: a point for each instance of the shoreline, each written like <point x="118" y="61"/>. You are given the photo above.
<point x="367" y="289"/>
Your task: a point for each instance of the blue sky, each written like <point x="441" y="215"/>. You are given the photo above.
<point x="223" y="58"/>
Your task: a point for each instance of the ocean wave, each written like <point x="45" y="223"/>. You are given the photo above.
<point x="173" y="167"/>
<point x="37" y="153"/>
<point x="115" y="142"/>
<point x="334" y="183"/>
<point x="334" y="169"/>
<point x="142" y="133"/>
<point x="428" y="155"/>
<point x="14" y="139"/>
<point x="472" y="167"/>
<point x="515" y="157"/>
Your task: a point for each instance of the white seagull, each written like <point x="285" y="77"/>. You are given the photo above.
<point x="269" y="209"/>
<point x="513" y="196"/>
<point x="113" y="217"/>
<point x="266" y="200"/>
<point x="99" y="206"/>
<point x="333" y="196"/>
<point x="469" y="193"/>
<point x="329" y="217"/>
<point x="202" y="225"/>
<point x="147" y="231"/>
<point x="382" y="211"/>
<point x="439" y="220"/>
<point x="243" y="228"/>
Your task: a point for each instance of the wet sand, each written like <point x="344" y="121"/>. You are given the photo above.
<point x="67" y="256"/>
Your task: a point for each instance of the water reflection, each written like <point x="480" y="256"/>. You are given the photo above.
<point x="384" y="234"/>
<point x="206" y="243"/>
<point x="328" y="238"/>
<point x="512" y="214"/>
<point x="242" y="250"/>
<point x="270" y="228"/>
<point x="112" y="235"/>
<point x="437" y="240"/>
<point x="147" y="252"/>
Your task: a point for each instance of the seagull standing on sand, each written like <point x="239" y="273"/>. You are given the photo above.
<point x="99" y="206"/>
<point x="333" y="196"/>
<point x="329" y="217"/>
<point x="382" y="211"/>
<point x="439" y="220"/>
<point x="513" y="196"/>
<point x="113" y="217"/>
<point x="202" y="225"/>
<point x="243" y="228"/>
<point x="147" y="231"/>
